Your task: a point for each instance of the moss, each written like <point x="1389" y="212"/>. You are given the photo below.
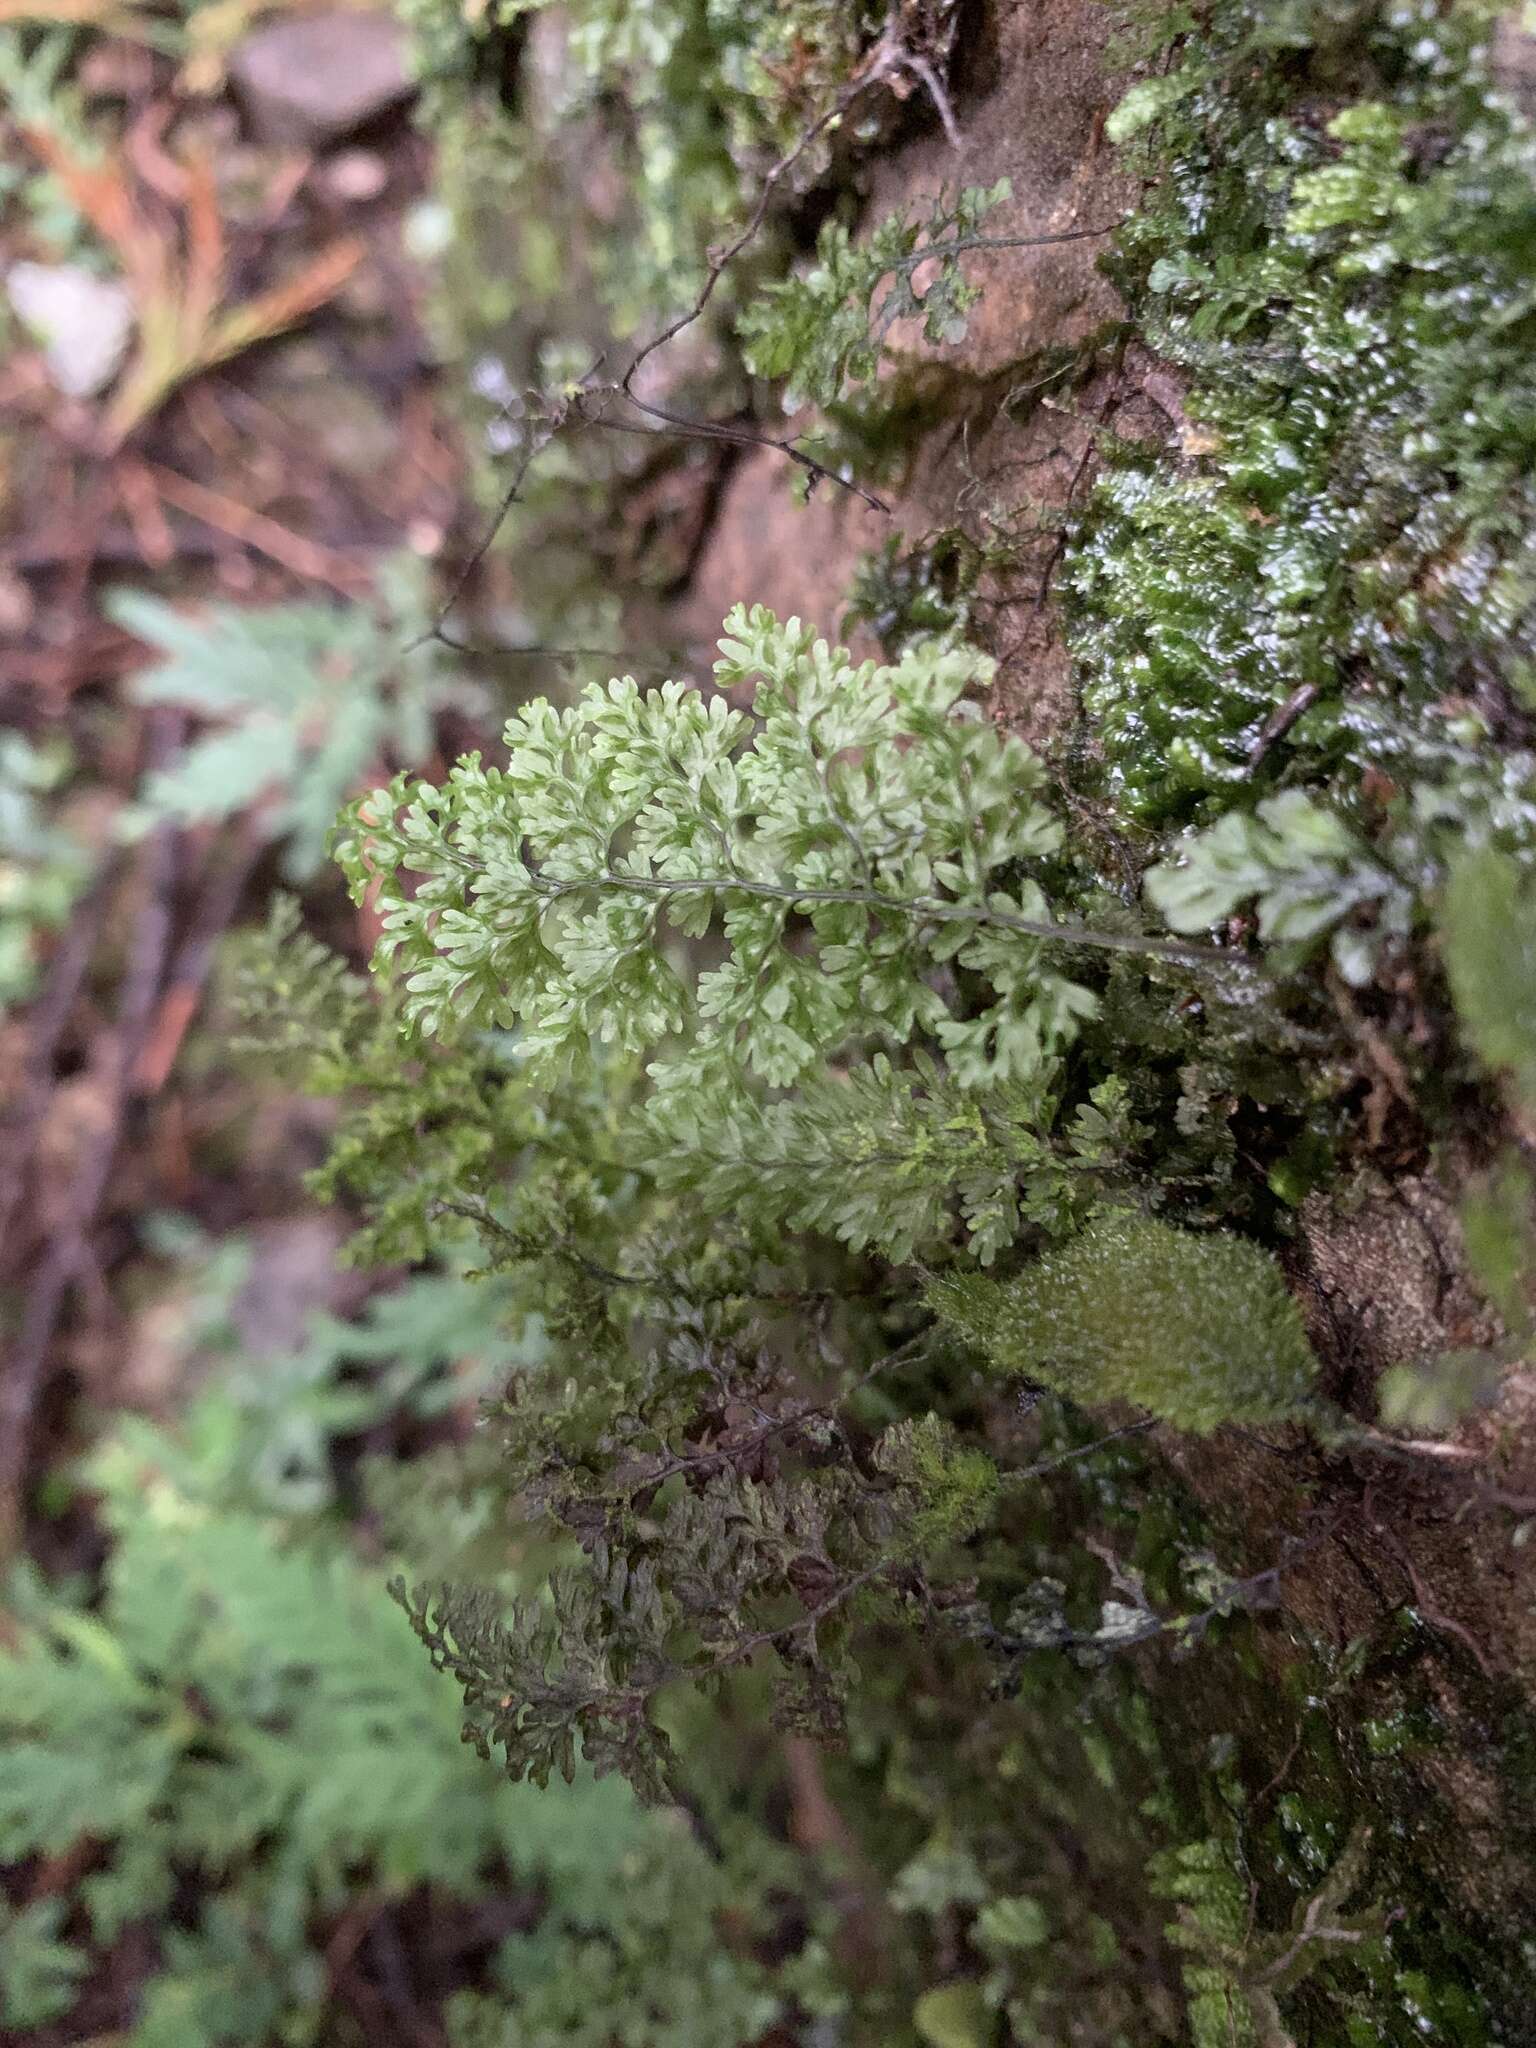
<point x="1489" y="918"/>
<point x="954" y="1487"/>
<point x="1341" y="252"/>
<point x="1198" y="1329"/>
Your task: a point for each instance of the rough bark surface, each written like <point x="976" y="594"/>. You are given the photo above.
<point x="1382" y="1282"/>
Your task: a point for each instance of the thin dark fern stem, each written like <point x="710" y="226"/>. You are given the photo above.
<point x="890" y="56"/>
<point x="524" y="1253"/>
<point x="679" y="425"/>
<point x="916" y="907"/>
<point x="771" y="1637"/>
<point x="721" y="260"/>
<point x="487" y="540"/>
<point x="633" y="1702"/>
<point x="962" y="245"/>
<point x="1041" y="1466"/>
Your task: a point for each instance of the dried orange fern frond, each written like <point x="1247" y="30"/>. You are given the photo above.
<point x="177" y="278"/>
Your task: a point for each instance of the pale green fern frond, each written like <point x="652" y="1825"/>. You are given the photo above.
<point x="884" y="1157"/>
<point x="825" y="329"/>
<point x="303" y="699"/>
<point x="848" y="844"/>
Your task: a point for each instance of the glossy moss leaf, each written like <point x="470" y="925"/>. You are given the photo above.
<point x="1488" y="935"/>
<point x="1344" y="537"/>
<point x="954" y="2016"/>
<point x="1498" y="1227"/>
<point x="1432" y="1396"/>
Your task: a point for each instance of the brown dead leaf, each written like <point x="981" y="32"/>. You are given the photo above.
<point x="101" y="14"/>
<point x="177" y="279"/>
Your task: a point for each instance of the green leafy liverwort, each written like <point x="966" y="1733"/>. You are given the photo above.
<point x="1350" y="292"/>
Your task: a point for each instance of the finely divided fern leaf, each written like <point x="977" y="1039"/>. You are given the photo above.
<point x="879" y="1156"/>
<point x="825" y="329"/>
<point x="307" y="698"/>
<point x="847" y="845"/>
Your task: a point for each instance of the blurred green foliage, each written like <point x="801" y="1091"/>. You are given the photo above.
<point x="304" y="699"/>
<point x="43" y="866"/>
<point x="238" y="1722"/>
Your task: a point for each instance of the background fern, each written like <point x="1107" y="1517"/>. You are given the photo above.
<point x="305" y="698"/>
<point x="241" y="1719"/>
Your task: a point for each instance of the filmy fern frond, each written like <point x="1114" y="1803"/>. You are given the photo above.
<point x="825" y="329"/>
<point x="304" y="698"/>
<point x="880" y="1155"/>
<point x="848" y="842"/>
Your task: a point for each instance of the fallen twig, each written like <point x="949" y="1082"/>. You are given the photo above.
<point x="304" y="558"/>
<point x="148" y="948"/>
<point x="194" y="958"/>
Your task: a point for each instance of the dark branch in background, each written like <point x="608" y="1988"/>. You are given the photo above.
<point x="1279" y="722"/>
<point x="18" y="1133"/>
<point x="887" y="59"/>
<point x="194" y="959"/>
<point x="148" y="951"/>
<point x="920" y="68"/>
<point x="1041" y="1466"/>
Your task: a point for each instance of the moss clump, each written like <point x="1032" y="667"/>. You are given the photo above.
<point x="1198" y="1329"/>
<point x="1341" y="252"/>
<point x="954" y="1487"/>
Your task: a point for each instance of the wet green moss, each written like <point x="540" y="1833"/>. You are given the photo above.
<point x="1200" y="1330"/>
<point x="1341" y="253"/>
